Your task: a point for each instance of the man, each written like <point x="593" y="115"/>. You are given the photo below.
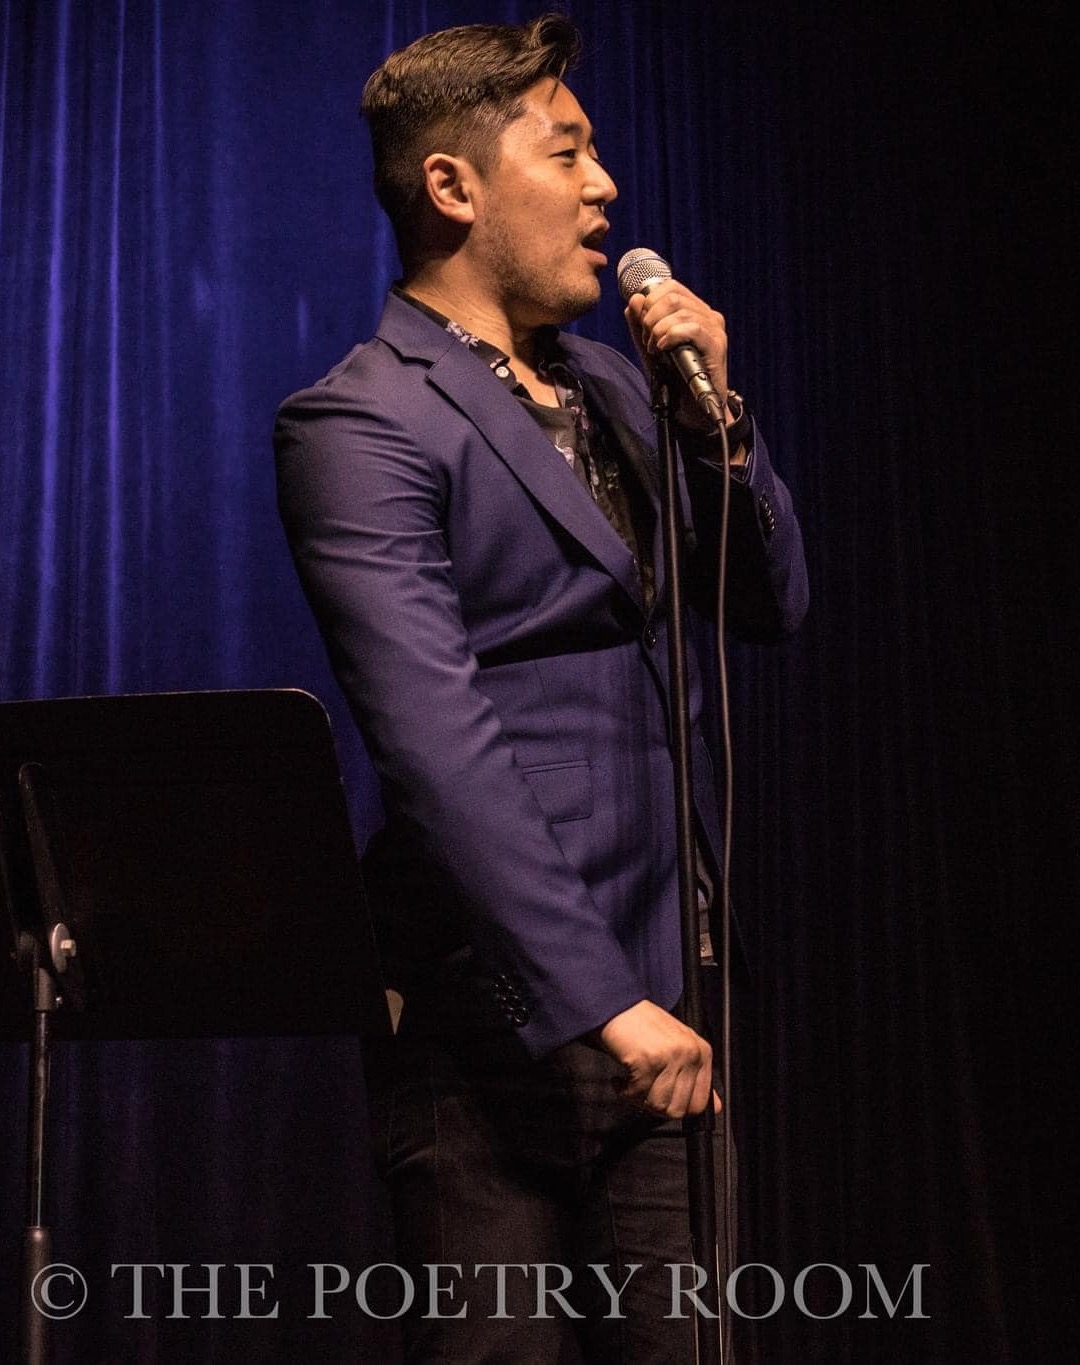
<point x="471" y="502"/>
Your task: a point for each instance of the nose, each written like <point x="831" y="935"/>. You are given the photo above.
<point x="601" y="188"/>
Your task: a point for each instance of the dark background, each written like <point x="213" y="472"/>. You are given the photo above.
<point x="880" y="202"/>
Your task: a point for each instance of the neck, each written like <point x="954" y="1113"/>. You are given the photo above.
<point x="474" y="309"/>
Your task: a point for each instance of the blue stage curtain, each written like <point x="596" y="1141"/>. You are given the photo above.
<point x="878" y="203"/>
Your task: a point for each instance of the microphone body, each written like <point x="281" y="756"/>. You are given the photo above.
<point x="640" y="270"/>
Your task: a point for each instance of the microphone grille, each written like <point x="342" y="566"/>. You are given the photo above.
<point x="640" y="267"/>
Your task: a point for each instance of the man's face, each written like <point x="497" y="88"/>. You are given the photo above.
<point x="539" y="214"/>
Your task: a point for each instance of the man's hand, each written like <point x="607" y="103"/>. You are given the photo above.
<point x="669" y="1066"/>
<point x="670" y="315"/>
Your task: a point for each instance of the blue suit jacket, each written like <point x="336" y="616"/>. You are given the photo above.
<point x="486" y="624"/>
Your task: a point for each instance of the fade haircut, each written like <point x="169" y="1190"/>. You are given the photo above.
<point x="454" y="91"/>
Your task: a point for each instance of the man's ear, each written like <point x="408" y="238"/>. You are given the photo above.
<point x="449" y="181"/>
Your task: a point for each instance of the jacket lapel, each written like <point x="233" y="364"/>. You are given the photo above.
<point x="512" y="434"/>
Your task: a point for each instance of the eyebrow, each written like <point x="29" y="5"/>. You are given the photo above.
<point x="571" y="129"/>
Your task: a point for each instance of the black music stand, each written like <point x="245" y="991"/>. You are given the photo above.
<point x="175" y="866"/>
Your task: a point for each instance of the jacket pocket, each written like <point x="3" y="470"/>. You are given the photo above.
<point x="564" y="790"/>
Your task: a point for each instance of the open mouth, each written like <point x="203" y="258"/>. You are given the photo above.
<point x="594" y="241"/>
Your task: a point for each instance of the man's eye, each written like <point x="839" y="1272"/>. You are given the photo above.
<point x="570" y="154"/>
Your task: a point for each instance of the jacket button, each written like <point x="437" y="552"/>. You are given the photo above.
<point x="650" y="637"/>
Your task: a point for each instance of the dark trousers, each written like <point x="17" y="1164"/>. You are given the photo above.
<point x="523" y="1193"/>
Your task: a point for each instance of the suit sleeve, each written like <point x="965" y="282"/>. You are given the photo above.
<point x="363" y="510"/>
<point x="767" y="593"/>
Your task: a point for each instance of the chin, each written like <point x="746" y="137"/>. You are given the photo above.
<point x="579" y="301"/>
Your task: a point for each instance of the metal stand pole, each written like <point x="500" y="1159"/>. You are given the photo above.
<point x="37" y="1243"/>
<point x="697" y="1127"/>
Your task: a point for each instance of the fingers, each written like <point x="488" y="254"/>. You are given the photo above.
<point x="668" y="1066"/>
<point x="671" y="315"/>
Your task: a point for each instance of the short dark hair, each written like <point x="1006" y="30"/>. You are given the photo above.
<point x="454" y="91"/>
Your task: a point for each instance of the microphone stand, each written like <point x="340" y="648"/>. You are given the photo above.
<point x="698" y="1128"/>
